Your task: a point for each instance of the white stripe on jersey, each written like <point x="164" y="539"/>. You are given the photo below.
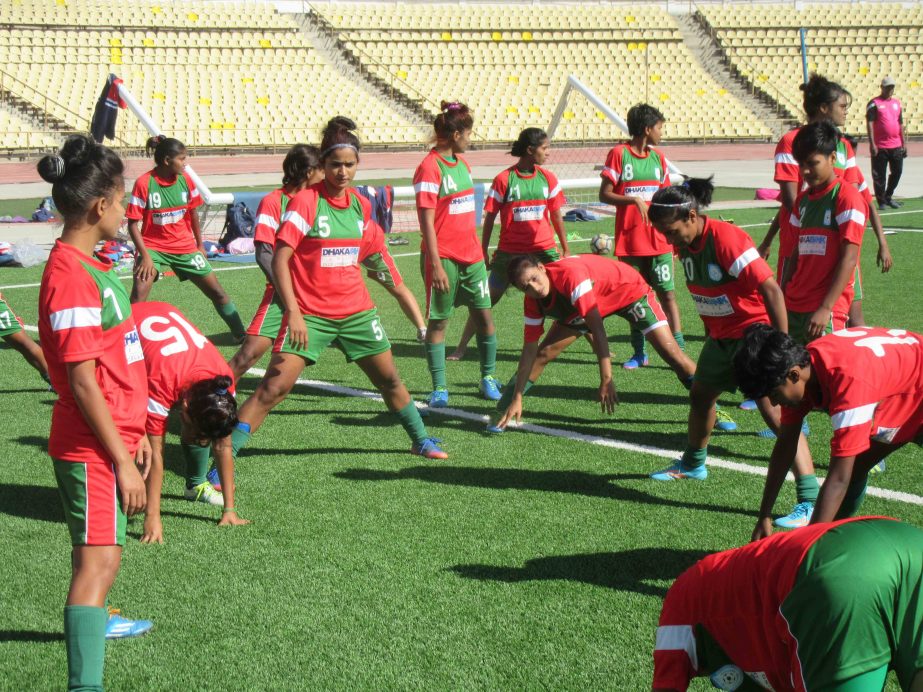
<point x="741" y="262"/>
<point x="794" y="220"/>
<point x="786" y="159"/>
<point x="194" y="193"/>
<point x="534" y="321"/>
<point x="677" y="638"/>
<point x="431" y="188"/>
<point x="157" y="409"/>
<point x="554" y="193"/>
<point x="853" y="416"/>
<point x="582" y="289"/>
<point x="493" y="195"/>
<point x="851" y="215"/>
<point x="268" y="221"/>
<point x="851" y="163"/>
<point x="137" y="201"/>
<point x="70" y="318"/>
<point x="294" y="218"/>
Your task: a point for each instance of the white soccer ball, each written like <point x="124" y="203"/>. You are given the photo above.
<point x="601" y="244"/>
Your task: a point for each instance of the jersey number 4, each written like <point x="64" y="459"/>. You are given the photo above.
<point x="173" y="334"/>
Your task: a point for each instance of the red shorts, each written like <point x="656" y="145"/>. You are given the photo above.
<point x="899" y="419"/>
<point x="268" y="318"/>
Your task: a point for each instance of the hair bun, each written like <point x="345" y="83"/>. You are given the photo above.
<point x="341" y="122"/>
<point x="52" y="168"/>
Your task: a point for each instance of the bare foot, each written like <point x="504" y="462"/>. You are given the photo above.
<point x="457" y="354"/>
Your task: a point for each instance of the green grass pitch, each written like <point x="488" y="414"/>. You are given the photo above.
<point x="525" y="561"/>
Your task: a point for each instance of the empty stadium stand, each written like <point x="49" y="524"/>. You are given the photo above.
<point x="855" y="44"/>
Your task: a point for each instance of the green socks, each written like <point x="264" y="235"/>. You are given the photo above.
<point x="410" y="420"/>
<point x="680" y="340"/>
<point x="240" y="437"/>
<point x="435" y="359"/>
<point x="855" y="494"/>
<point x="807" y="488"/>
<point x="694" y="458"/>
<point x="507" y="397"/>
<point x="196" y="463"/>
<point x="85" y="641"/>
<point x="637" y="342"/>
<point x="231" y="318"/>
<point x="487" y="350"/>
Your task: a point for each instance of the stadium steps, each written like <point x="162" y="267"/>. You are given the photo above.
<point x="21" y="98"/>
<point x="704" y="46"/>
<point x="326" y="40"/>
<point x="700" y="40"/>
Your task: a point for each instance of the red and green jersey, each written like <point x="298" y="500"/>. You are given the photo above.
<point x="269" y="215"/>
<point x="446" y="186"/>
<point x="525" y="203"/>
<point x="177" y="355"/>
<point x="85" y="315"/>
<point x="825" y="219"/>
<point x="164" y="208"/>
<point x="331" y="238"/>
<point x="733" y="599"/>
<point x="636" y="176"/>
<point x="578" y="284"/>
<point x="861" y="374"/>
<point x="723" y="273"/>
<point x="786" y="170"/>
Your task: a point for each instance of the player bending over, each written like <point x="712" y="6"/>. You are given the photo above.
<point x="732" y="287"/>
<point x="97" y="441"/>
<point x="579" y="292"/>
<point x="451" y="258"/>
<point x="830" y="607"/>
<point x="185" y="370"/>
<point x="13" y="335"/>
<point x="528" y="199"/>
<point x="326" y="233"/>
<point x="870" y="381"/>
<point x="164" y="200"/>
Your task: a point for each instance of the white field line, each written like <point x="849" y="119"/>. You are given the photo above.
<point x="126" y="277"/>
<point x="894" y="495"/>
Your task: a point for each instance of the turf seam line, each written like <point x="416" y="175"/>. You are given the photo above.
<point x="895" y="495"/>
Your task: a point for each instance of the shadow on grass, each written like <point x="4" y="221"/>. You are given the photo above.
<point x="32" y="441"/>
<point x="31" y="502"/>
<point x="623" y="571"/>
<point x="30" y="636"/>
<point x="573" y="482"/>
<point x="315" y="451"/>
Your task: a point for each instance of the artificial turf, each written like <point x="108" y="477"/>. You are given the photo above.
<point x="524" y="561"/>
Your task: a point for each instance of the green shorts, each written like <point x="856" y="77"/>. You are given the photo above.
<point x="467" y="286"/>
<point x="498" y="282"/>
<point x="645" y="314"/>
<point x="657" y="270"/>
<point x="92" y="506"/>
<point x="715" y="367"/>
<point x="9" y="323"/>
<point x="267" y="322"/>
<point x="798" y="326"/>
<point x="357" y="336"/>
<point x="857" y="603"/>
<point x="185" y="266"/>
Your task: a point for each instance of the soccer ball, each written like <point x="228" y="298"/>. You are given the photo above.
<point x="601" y="244"/>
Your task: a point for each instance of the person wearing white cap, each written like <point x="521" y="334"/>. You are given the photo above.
<point x="885" y="124"/>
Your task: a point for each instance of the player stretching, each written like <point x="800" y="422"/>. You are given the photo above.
<point x="168" y="236"/>
<point x="580" y="292"/>
<point x="830" y="607"/>
<point x="870" y="381"/>
<point x="97" y="440"/>
<point x="451" y="259"/>
<point x="634" y="171"/>
<point x="185" y="369"/>
<point x="326" y="233"/>
<point x="528" y="199"/>
<point x="11" y="331"/>
<point x="823" y="100"/>
<point x="732" y="287"/>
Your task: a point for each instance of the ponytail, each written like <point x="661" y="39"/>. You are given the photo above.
<point x="674" y="203"/>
